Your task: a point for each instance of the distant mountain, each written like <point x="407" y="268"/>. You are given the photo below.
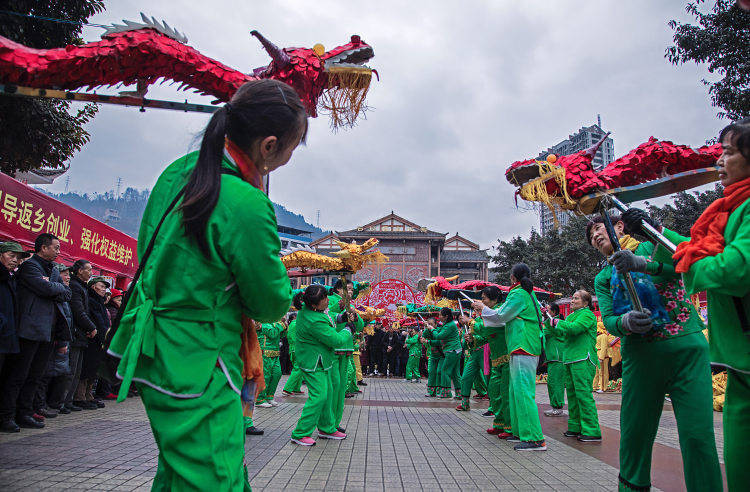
<point x="124" y="213"/>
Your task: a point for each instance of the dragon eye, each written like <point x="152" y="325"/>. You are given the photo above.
<point x="319" y="49"/>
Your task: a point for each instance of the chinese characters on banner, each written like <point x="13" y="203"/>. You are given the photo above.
<point x="389" y="294"/>
<point x="25" y="213"/>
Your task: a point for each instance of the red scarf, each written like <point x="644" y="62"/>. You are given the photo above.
<point x="246" y="165"/>
<point x="707" y="234"/>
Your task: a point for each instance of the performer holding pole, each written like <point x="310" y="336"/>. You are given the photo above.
<point x="434" y="360"/>
<point x="182" y="346"/>
<point x="294" y="382"/>
<point x="474" y="362"/>
<point x="663" y="351"/>
<point x="715" y="259"/>
<point x="448" y="334"/>
<point x="554" y="347"/>
<point x="317" y="338"/>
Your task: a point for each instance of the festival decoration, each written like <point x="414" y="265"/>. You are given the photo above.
<point x="438" y="288"/>
<point x="141" y="53"/>
<point x="350" y="258"/>
<point x="566" y="180"/>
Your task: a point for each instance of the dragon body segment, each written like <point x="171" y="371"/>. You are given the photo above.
<point x="141" y="53"/>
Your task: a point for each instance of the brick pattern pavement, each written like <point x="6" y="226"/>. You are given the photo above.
<point x="405" y="447"/>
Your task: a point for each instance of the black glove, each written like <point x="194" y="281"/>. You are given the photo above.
<point x="626" y="261"/>
<point x="633" y="219"/>
<point x="637" y="321"/>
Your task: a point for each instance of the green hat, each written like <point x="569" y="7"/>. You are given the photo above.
<point x="61" y="267"/>
<point x="14" y="247"/>
<point x="96" y="279"/>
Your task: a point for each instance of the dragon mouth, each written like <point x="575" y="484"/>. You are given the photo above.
<point x="353" y="58"/>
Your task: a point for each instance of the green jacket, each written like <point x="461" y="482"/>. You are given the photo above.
<point x="415" y="348"/>
<point x="334" y="310"/>
<point x="316" y="340"/>
<point x="291" y="334"/>
<point x="269" y="336"/>
<point x="684" y="317"/>
<point x="185" y="312"/>
<point x="448" y="334"/>
<point x="554" y="345"/>
<point x="436" y="346"/>
<point x="520" y="314"/>
<point x="579" y="332"/>
<point x="726" y="280"/>
<point x="494" y="332"/>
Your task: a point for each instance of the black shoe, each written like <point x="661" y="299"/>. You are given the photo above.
<point x="87" y="405"/>
<point x="531" y="446"/>
<point x="73" y="407"/>
<point x="583" y="438"/>
<point x="350" y="395"/>
<point x="99" y="404"/>
<point x="488" y="414"/>
<point x="29" y="422"/>
<point x="253" y="431"/>
<point x="513" y="439"/>
<point x="9" y="425"/>
<point x="341" y="429"/>
<point x="571" y="434"/>
<point x="64" y="410"/>
<point x="361" y="383"/>
<point x="47" y="413"/>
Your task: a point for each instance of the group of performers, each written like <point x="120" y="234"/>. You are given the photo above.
<point x="182" y="347"/>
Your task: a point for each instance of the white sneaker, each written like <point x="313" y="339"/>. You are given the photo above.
<point x="554" y="412"/>
<point x="599" y="391"/>
<point x="265" y="404"/>
<point x="274" y="403"/>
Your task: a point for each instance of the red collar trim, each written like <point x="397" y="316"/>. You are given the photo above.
<point x="246" y="166"/>
<point x="515" y="285"/>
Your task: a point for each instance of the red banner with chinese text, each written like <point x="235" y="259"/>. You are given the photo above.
<point x="25" y="213"/>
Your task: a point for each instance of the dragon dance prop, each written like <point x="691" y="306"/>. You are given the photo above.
<point x="654" y="168"/>
<point x="141" y="53"/>
<point x="441" y="287"/>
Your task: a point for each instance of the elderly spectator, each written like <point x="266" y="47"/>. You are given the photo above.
<point x="10" y="254"/>
<point x="83" y="329"/>
<point x="52" y="389"/>
<point x="40" y="293"/>
<point x="92" y="357"/>
<point x="104" y="387"/>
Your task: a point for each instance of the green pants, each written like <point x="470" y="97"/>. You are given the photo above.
<point x="473" y="366"/>
<point x="338" y="384"/>
<point x="201" y="440"/>
<point x="579" y="379"/>
<point x="524" y="414"/>
<point x="434" y="380"/>
<point x="412" y="367"/>
<point x="480" y="381"/>
<point x="450" y="371"/>
<point x="502" y="415"/>
<point x="556" y="384"/>
<point x="351" y="377"/>
<point x="294" y="383"/>
<point x="317" y="411"/>
<point x="737" y="430"/>
<point x="493" y="389"/>
<point x="678" y="366"/>
<point x="272" y="375"/>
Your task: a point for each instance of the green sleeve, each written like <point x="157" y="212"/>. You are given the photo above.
<point x="249" y="244"/>
<point x="328" y="336"/>
<point x="601" y="287"/>
<point x="479" y="337"/>
<point x="580" y="325"/>
<point x="728" y="272"/>
<point x="442" y="332"/>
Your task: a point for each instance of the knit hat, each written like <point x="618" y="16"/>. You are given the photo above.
<point x="15" y="248"/>
<point x="116" y="293"/>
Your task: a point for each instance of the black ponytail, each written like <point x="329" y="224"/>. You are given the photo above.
<point x="492" y="292"/>
<point x="297" y="300"/>
<point x="259" y="109"/>
<point x="522" y="273"/>
<point x="312" y="296"/>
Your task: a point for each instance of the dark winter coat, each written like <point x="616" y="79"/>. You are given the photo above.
<point x="39" y="300"/>
<point x="94" y="353"/>
<point x="8" y="312"/>
<point x="79" y="306"/>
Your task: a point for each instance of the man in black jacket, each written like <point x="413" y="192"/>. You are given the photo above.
<point x="375" y="350"/>
<point x="40" y="293"/>
<point x="83" y="329"/>
<point x="10" y="253"/>
<point x="391" y="346"/>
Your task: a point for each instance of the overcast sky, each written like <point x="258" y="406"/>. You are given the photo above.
<point x="465" y="89"/>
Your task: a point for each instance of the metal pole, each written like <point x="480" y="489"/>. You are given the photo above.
<point x="648" y="229"/>
<point x="634" y="300"/>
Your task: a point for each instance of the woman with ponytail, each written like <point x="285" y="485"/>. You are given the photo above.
<point x="317" y="338"/>
<point x="208" y="225"/>
<point x="520" y="314"/>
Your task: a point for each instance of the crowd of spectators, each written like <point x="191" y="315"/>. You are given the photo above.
<point x="385" y="354"/>
<point x="54" y="321"/>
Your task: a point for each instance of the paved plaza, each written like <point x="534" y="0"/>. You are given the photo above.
<point x="397" y="440"/>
